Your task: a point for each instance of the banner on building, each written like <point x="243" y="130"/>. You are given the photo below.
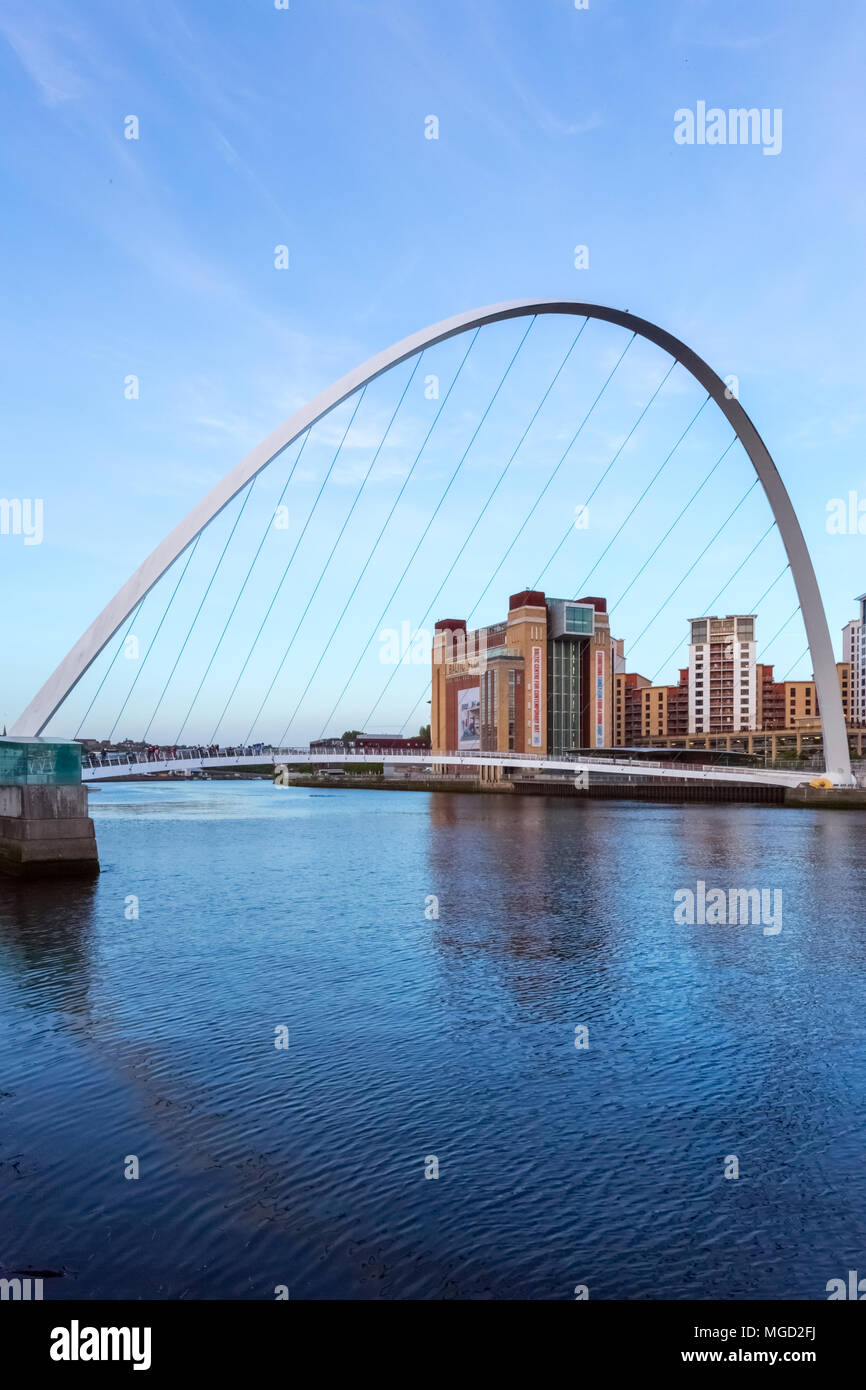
<point x="535" y="697"/>
<point x="599" y="699"/>
<point x="469" y="718"/>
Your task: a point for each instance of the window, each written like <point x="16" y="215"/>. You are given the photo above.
<point x="579" y="619"/>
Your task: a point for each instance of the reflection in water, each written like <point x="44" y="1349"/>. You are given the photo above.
<point x="453" y="1036"/>
<point x="45" y="931"/>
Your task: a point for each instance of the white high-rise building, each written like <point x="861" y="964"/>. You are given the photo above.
<point x="722" y="675"/>
<point x="854" y="651"/>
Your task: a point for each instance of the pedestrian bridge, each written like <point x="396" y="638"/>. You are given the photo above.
<point x="112" y="767"/>
<point x="268" y="630"/>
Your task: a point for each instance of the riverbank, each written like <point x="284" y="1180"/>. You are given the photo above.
<point x="834" y="798"/>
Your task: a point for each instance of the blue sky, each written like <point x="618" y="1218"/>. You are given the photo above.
<point x="262" y="127"/>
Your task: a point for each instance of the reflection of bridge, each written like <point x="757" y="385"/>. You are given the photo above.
<point x="130" y="597"/>
<point x="188" y="761"/>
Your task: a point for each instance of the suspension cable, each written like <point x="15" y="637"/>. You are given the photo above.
<point x="216" y="569"/>
<point x="673" y="525"/>
<point x="715" y="537"/>
<point x="781" y="630"/>
<point x="570" y="529"/>
<point x="267" y="532"/>
<point x="589" y="698"/>
<point x="152" y="642"/>
<point x="556" y="469"/>
<point x="658" y="472"/>
<point x="708" y="608"/>
<point x="324" y="569"/>
<point x="589" y="499"/>
<point x="795" y="663"/>
<point x="473" y="528"/>
<point x="135" y="614"/>
<point x="782" y="571"/>
<point x="289" y="564"/>
<point x="694" y="563"/>
<point x="436" y="510"/>
<point x="711" y="605"/>
<point x="375" y="546"/>
<point x="647" y="561"/>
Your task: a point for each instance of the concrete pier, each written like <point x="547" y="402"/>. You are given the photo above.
<point x="45" y="829"/>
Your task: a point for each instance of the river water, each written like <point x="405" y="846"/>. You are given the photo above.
<point x="432" y="960"/>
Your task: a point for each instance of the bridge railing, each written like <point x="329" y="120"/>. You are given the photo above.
<point x="136" y="757"/>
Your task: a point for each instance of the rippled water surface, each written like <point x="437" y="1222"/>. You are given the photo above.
<point x="413" y="1036"/>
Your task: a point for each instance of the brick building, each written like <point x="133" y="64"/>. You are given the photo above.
<point x="541" y="682"/>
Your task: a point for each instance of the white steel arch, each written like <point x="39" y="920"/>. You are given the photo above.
<point x="73" y="666"/>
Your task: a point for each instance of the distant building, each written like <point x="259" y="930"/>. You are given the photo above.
<point x="328" y="745"/>
<point x="794" y="704"/>
<point x="722" y="674"/>
<point x="390" y="743"/>
<point x="854" y="652"/>
<point x="371" y="743"/>
<point x="770" y="699"/>
<point x="105" y="745"/>
<point x="628" y="688"/>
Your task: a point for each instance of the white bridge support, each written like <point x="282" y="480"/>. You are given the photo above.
<point x="571" y="767"/>
<point x="73" y="666"/>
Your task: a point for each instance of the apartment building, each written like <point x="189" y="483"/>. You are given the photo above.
<point x="722" y="674"/>
<point x="854" y="653"/>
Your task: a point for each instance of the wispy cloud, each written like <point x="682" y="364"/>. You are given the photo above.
<point x="547" y="120"/>
<point x="44" y="51"/>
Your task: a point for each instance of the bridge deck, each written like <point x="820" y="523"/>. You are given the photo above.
<point x="137" y="767"/>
